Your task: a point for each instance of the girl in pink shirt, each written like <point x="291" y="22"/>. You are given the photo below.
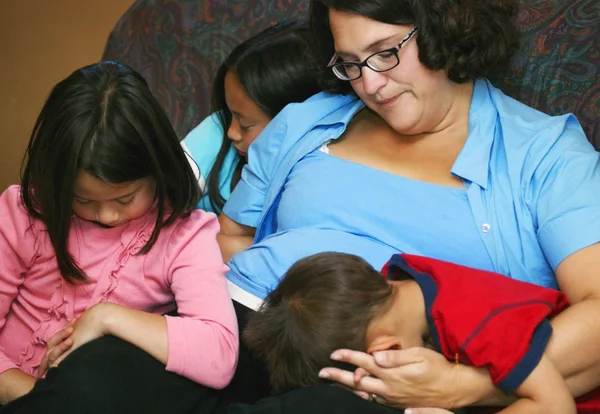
<point x="102" y="239"/>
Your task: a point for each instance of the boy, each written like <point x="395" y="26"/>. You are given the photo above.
<point x="330" y="301"/>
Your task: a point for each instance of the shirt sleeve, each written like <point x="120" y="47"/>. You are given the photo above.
<point x="510" y="342"/>
<point x="203" y="339"/>
<point x="247" y="199"/>
<point x="565" y="192"/>
<point x="202" y="145"/>
<point x="17" y="252"/>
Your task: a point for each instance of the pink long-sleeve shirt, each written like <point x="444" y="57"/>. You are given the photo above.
<point x="183" y="270"/>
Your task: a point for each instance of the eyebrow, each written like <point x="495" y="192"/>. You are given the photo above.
<point x="246" y="118"/>
<point x="240" y="116"/>
<point x="114" y="199"/>
<point x="373" y="47"/>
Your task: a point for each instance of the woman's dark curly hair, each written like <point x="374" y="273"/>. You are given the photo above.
<point x="466" y="38"/>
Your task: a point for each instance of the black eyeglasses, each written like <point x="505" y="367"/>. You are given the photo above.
<point x="381" y="61"/>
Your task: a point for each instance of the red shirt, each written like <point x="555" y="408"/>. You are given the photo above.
<point x="482" y="318"/>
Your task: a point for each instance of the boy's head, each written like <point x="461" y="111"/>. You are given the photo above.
<point x="324" y="302"/>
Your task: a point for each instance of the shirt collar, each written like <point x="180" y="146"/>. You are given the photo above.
<point x="472" y="163"/>
<point x="332" y="106"/>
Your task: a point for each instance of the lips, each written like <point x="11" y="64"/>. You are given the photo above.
<point x="384" y="102"/>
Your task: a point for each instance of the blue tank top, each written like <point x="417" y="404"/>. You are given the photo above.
<point x="404" y="220"/>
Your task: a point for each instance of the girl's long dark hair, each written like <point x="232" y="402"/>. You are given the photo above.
<point x="103" y="120"/>
<point x="274" y="69"/>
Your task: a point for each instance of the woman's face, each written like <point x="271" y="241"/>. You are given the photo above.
<point x="408" y="97"/>
<point x="247" y="119"/>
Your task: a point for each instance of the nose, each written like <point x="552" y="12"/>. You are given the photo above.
<point x="372" y="81"/>
<point x="107" y="215"/>
<point x="234" y="132"/>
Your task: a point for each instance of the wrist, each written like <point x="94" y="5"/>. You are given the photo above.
<point x="476" y="388"/>
<point x="105" y="316"/>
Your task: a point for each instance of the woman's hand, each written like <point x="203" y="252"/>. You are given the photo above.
<point x="57" y="345"/>
<point x="89" y="326"/>
<point x="414" y="377"/>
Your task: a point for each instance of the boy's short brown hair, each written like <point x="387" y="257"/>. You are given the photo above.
<point x="324" y="302"/>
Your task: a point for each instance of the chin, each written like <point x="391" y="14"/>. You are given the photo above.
<point x="400" y="126"/>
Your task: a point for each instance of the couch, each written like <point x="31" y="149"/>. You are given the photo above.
<point x="178" y="44"/>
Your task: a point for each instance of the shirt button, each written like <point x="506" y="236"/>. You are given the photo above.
<point x="485" y="227"/>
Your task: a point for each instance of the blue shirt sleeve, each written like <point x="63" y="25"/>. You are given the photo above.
<point x="268" y="152"/>
<point x="565" y="191"/>
<point x="247" y="199"/>
<point x="202" y="144"/>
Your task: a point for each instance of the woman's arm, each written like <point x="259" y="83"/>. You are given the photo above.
<point x="573" y="347"/>
<point x="233" y="237"/>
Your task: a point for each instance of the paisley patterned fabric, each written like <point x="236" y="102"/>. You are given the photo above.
<point x="178" y="44"/>
<point x="557" y="68"/>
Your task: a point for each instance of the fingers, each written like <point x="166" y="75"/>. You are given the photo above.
<point x="51" y="358"/>
<point x="357" y="358"/>
<point x="60" y="359"/>
<point x="363" y="395"/>
<point x="60" y="336"/>
<point x="57" y="352"/>
<point x="56" y="346"/>
<point x="360" y="373"/>
<point x="395" y="358"/>
<point x="370" y="385"/>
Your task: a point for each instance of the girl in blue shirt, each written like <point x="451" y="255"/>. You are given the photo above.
<point x="259" y="78"/>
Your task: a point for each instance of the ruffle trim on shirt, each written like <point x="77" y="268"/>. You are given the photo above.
<point x="60" y="309"/>
<point x="137" y="243"/>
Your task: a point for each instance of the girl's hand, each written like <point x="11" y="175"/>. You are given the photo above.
<point x="413" y="377"/>
<point x="57" y="345"/>
<point x="89" y="326"/>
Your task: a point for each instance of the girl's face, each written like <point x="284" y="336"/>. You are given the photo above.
<point x="409" y="97"/>
<point x="112" y="205"/>
<point x="247" y="119"/>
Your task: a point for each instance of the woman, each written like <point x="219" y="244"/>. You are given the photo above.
<point x="260" y="77"/>
<point x="421" y="154"/>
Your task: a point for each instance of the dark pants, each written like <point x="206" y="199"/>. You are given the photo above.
<point x="320" y="399"/>
<point x="109" y="375"/>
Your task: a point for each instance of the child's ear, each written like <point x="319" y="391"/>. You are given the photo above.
<point x="384" y="343"/>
